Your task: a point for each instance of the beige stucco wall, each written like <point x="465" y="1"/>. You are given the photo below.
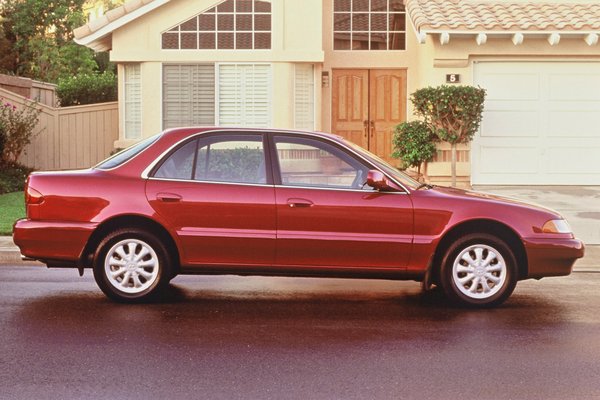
<point x="296" y="37"/>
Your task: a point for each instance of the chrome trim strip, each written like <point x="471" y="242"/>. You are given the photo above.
<point x="146" y="171"/>
<point x="211" y="182"/>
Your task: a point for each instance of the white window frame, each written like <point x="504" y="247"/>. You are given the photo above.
<point x="314" y="97"/>
<point x="126" y="82"/>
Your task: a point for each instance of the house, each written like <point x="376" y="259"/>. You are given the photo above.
<point x="348" y="67"/>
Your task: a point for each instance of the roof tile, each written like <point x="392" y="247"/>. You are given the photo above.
<point x="474" y="15"/>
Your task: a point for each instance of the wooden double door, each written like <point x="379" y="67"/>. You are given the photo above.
<point x="367" y="104"/>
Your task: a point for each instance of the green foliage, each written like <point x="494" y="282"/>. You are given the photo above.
<point x="2" y="138"/>
<point x="40" y="33"/>
<point x="414" y="144"/>
<point x="12" y="177"/>
<point x="87" y="89"/>
<point x="19" y="127"/>
<point x="452" y="112"/>
<point x="12" y="207"/>
<point x="234" y="165"/>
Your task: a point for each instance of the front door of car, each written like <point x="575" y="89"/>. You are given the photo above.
<point x="328" y="217"/>
<point x="215" y="193"/>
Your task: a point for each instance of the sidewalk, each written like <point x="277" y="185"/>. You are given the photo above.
<point x="9" y="254"/>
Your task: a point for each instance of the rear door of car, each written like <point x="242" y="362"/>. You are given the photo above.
<point x="216" y="192"/>
<point x="327" y="217"/>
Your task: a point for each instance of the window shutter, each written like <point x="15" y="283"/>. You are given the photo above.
<point x="244" y="95"/>
<point x="188" y="95"/>
<point x="304" y="97"/>
<point x="133" y="101"/>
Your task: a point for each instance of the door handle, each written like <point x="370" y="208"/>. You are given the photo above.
<point x="372" y="124"/>
<point x="168" y="197"/>
<point x="366" y="126"/>
<point x="299" y="203"/>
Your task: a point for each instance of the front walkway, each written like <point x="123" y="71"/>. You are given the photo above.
<point x="580" y="205"/>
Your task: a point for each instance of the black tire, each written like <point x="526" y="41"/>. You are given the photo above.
<point x="133" y="281"/>
<point x="489" y="279"/>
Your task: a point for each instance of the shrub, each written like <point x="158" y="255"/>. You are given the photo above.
<point x="414" y="144"/>
<point x="453" y="113"/>
<point x="19" y="128"/>
<point x="2" y="138"/>
<point x="12" y="177"/>
<point x="87" y="89"/>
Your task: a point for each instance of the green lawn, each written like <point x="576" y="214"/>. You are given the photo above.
<point x="12" y="207"/>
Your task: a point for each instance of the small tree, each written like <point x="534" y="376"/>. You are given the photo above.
<point x="452" y="112"/>
<point x="19" y="128"/>
<point x="414" y="144"/>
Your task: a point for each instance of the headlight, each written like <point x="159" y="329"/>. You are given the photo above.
<point x="556" y="226"/>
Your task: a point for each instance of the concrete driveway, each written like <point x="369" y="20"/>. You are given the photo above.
<point x="580" y="205"/>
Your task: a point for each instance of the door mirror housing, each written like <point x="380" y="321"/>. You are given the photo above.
<point x="377" y="180"/>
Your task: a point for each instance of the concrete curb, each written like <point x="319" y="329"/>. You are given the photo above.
<point x="10" y="255"/>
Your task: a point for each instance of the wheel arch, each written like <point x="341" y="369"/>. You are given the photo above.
<point x="130" y="221"/>
<point x="489" y="226"/>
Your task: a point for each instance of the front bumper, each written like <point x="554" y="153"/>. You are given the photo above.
<point x="552" y="257"/>
<point x="52" y="240"/>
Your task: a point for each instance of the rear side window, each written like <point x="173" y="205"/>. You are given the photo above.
<point x="127" y="154"/>
<point x="233" y="158"/>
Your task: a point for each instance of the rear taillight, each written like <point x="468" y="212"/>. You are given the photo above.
<point x="32" y="196"/>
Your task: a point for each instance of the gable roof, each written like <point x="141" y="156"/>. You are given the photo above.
<point x="97" y="34"/>
<point x="429" y="16"/>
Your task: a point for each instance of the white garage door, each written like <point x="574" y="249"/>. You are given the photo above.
<point x="541" y="124"/>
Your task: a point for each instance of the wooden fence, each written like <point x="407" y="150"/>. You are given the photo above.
<point x="70" y="137"/>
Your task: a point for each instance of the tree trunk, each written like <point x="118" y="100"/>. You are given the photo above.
<point x="453" y="167"/>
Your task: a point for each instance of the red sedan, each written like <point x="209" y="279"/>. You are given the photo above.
<point x="272" y="202"/>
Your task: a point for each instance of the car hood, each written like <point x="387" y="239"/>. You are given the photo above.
<point x="491" y="198"/>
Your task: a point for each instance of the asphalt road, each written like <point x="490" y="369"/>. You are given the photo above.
<point x="284" y="338"/>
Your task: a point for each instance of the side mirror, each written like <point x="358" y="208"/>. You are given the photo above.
<point x="377" y="180"/>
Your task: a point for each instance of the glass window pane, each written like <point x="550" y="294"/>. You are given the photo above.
<point x="262" y="40"/>
<point x="226" y="6"/>
<point x="341" y="41"/>
<point x="189" y="40"/>
<point x="397" y="5"/>
<point x="190" y="25"/>
<point x="397" y="22"/>
<point x="308" y="162"/>
<point x="397" y="41"/>
<point x="379" y="41"/>
<point x="262" y="22"/>
<point x="243" y="40"/>
<point x="360" y="5"/>
<point x="231" y="160"/>
<point x="379" y="5"/>
<point x="378" y="22"/>
<point x="179" y="164"/>
<point x="207" y="22"/>
<point x="225" y="40"/>
<point x="170" y="40"/>
<point x="243" y="6"/>
<point x="360" y="22"/>
<point x="341" y="22"/>
<point x="225" y="22"/>
<point x="206" y="40"/>
<point x="341" y="5"/>
<point x="262" y="6"/>
<point x="243" y="22"/>
<point x="360" y="41"/>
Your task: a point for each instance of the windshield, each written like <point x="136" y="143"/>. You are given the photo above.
<point x="127" y="154"/>
<point x="386" y="167"/>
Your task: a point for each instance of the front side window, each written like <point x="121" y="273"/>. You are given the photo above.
<point x="314" y="163"/>
<point x="231" y="25"/>
<point x="369" y="25"/>
<point x="222" y="158"/>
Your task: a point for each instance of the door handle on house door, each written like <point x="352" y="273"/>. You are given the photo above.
<point x="366" y="127"/>
<point x="372" y="124"/>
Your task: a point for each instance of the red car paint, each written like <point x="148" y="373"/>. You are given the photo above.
<point x="275" y="229"/>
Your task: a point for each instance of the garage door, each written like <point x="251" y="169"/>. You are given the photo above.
<point x="541" y="124"/>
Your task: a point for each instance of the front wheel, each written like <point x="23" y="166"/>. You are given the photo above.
<point x="131" y="265"/>
<point x="479" y="270"/>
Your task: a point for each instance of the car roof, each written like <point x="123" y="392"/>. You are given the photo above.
<point x="183" y="131"/>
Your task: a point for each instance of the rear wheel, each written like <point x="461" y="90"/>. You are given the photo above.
<point x="479" y="270"/>
<point x="132" y="265"/>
